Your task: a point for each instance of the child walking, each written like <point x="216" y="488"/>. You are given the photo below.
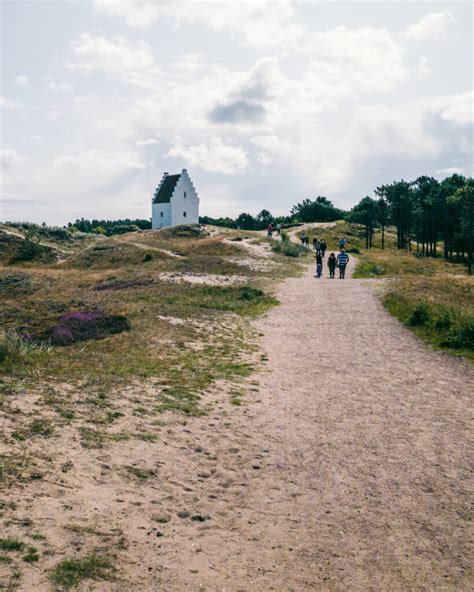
<point x="332" y="265"/>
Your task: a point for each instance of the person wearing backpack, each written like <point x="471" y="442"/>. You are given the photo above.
<point x="342" y="261"/>
<point x="323" y="247"/>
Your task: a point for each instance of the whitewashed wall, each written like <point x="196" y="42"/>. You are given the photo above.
<point x="157" y="219"/>
<point x="181" y="204"/>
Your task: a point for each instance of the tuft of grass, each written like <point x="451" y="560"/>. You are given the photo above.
<point x="69" y="573"/>
<point x="18" y="350"/>
<point x="38" y="427"/>
<point x="31" y="556"/>
<point x="140" y="473"/>
<point x="11" y="544"/>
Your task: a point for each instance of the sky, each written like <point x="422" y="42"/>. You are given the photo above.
<point x="265" y="103"/>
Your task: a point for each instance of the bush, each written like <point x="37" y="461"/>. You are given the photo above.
<point x="288" y="249"/>
<point x="285" y="237"/>
<point x="353" y="250"/>
<point x="27" y="251"/>
<point x="461" y="336"/>
<point x="420" y="316"/>
<point x="147" y="257"/>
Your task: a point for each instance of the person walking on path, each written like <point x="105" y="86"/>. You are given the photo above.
<point x="332" y="265"/>
<point x="319" y="265"/>
<point x="303" y="238"/>
<point x="342" y="261"/>
<point x="278" y="229"/>
<point x="323" y="247"/>
<point x="270" y="230"/>
<point x="315" y="240"/>
<point x="342" y="243"/>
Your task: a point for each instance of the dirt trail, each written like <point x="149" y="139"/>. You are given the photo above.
<point x="349" y="472"/>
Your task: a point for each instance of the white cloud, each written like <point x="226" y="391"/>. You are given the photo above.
<point x="214" y="156"/>
<point x="7" y="104"/>
<point x="60" y="86"/>
<point x="459" y="108"/>
<point x="261" y="23"/>
<point x="10" y="159"/>
<point x="356" y="59"/>
<point x="147" y="142"/>
<point x="432" y="25"/>
<point x="133" y="63"/>
<point x="107" y="158"/>
<point x="423" y="66"/>
<point x="22" y="81"/>
<point x="448" y="171"/>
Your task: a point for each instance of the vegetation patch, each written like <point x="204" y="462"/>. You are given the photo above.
<point x="11" y="544"/>
<point x="123" y="284"/>
<point x="289" y="249"/>
<point x="443" y="326"/>
<point x="82" y="325"/>
<point x="19" y="350"/>
<point x="142" y="474"/>
<point x="69" y="573"/>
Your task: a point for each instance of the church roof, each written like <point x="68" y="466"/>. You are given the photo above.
<point x="164" y="193"/>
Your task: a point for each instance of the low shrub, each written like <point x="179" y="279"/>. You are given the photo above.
<point x="28" y="250"/>
<point x="82" y="325"/>
<point x="147" y="257"/>
<point x="289" y="249"/>
<point x="354" y="250"/>
<point x="461" y="336"/>
<point x="367" y="269"/>
<point x="420" y="316"/>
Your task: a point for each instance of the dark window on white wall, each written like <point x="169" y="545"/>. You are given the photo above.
<point x="161" y="214"/>
<point x="184" y="214"/>
<point x="185" y="194"/>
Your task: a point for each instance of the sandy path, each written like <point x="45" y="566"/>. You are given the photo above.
<point x="351" y="470"/>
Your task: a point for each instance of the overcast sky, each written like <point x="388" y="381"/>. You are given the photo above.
<point x="265" y="103"/>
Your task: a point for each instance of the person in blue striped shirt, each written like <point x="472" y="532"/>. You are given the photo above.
<point x="341" y="262"/>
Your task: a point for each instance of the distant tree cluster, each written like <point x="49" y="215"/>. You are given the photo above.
<point x="426" y="213"/>
<point x="109" y="227"/>
<point x="317" y="210"/>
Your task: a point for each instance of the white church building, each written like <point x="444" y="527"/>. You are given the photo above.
<point x="175" y="201"/>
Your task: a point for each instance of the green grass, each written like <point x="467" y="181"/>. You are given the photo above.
<point x="69" y="573"/>
<point x="289" y="249"/>
<point x="445" y="327"/>
<point x="11" y="544"/>
<point x="31" y="556"/>
<point x="140" y="473"/>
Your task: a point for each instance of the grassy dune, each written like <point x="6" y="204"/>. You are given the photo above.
<point x="109" y="341"/>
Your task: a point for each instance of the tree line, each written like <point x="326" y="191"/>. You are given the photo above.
<point x="434" y="217"/>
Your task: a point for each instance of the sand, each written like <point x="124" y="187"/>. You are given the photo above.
<point x="347" y="468"/>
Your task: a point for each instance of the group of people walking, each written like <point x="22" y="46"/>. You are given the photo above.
<point x="319" y="245"/>
<point x="340" y="261"/>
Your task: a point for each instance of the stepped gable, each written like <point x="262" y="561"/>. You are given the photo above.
<point x="165" y="190"/>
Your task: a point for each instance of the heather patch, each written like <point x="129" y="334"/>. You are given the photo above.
<point x="82" y="325"/>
